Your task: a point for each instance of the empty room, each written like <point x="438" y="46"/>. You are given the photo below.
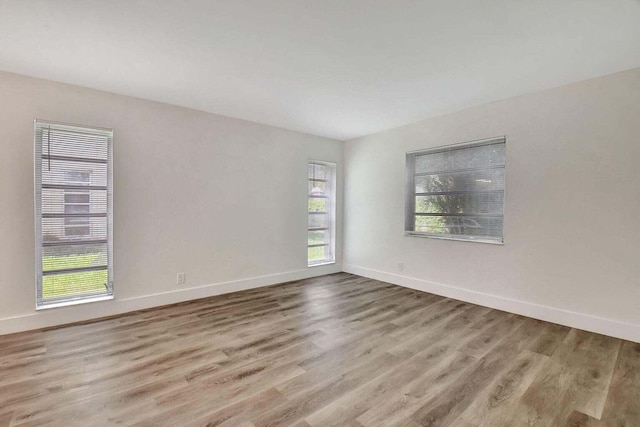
<point x="310" y="213"/>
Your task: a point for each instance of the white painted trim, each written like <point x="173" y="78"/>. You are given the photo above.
<point x="78" y="313"/>
<point x="614" y="328"/>
<point x="74" y="302"/>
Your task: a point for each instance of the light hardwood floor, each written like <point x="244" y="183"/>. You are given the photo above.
<point x="335" y="350"/>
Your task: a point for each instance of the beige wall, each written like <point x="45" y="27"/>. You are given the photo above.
<point x="220" y="199"/>
<point x="572" y="213"/>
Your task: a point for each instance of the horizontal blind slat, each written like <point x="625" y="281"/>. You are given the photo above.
<point x="74" y="159"/>
<point x="74" y="215"/>
<point x="459" y="193"/>
<point x="452" y="171"/>
<point x="462" y="215"/>
<point x="73" y="187"/>
<point x="74" y="270"/>
<point x="73" y="242"/>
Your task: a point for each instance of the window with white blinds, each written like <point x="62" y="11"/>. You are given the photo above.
<point x="73" y="209"/>
<point x="321" y="213"/>
<point x="457" y="192"/>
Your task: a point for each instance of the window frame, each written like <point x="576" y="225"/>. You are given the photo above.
<point x="39" y="156"/>
<point x="410" y="194"/>
<point x="330" y="212"/>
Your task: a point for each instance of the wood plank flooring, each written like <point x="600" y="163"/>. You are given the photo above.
<point x="337" y="350"/>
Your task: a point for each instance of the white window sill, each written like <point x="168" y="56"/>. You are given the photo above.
<point x="321" y="263"/>
<point x="76" y="302"/>
<point x="453" y="237"/>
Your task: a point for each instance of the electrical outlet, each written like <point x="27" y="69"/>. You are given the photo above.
<point x="180" y="279"/>
<point x="400" y="266"/>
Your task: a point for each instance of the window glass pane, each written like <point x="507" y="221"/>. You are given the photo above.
<point x="54" y="229"/>
<point x="76" y="208"/>
<point x="69" y="143"/>
<point x="76" y="230"/>
<point x="74" y="284"/>
<point x="318" y="220"/>
<point x="56" y="201"/>
<point x="319" y="253"/>
<point x="461" y="226"/>
<point x="74" y="256"/>
<point x="77" y="177"/>
<point x="318" y="172"/>
<point x="74" y="173"/>
<point x="475" y="203"/>
<point x="77" y="198"/>
<point x="317" y="205"/>
<point x="317" y="188"/>
<point x="318" y="237"/>
<point x="483" y="156"/>
<point x="485" y="180"/>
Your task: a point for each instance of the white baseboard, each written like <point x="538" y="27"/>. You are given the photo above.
<point x="82" y="312"/>
<point x="610" y="327"/>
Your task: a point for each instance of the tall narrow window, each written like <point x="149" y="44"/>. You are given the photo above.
<point x="73" y="207"/>
<point x="321" y="212"/>
<point x="457" y="192"/>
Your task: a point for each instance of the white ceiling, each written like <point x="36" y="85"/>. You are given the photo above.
<point x="336" y="68"/>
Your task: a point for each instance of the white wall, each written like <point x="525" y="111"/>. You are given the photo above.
<point x="224" y="201"/>
<point x="572" y="210"/>
<point x="220" y="199"/>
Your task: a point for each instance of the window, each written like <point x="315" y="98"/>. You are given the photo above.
<point x="73" y="207"/>
<point x="457" y="192"/>
<point x="321" y="213"/>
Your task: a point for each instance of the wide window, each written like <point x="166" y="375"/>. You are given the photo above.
<point x="73" y="207"/>
<point x="321" y="213"/>
<point x="457" y="192"/>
